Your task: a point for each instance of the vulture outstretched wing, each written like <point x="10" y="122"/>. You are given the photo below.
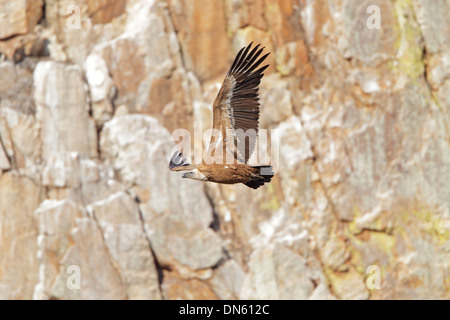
<point x="236" y="108"/>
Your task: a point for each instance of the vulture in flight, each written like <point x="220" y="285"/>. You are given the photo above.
<point x="235" y="122"/>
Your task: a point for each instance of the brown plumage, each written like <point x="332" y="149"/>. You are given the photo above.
<point x="235" y="117"/>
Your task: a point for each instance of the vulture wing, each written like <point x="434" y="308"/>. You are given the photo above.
<point x="236" y="108"/>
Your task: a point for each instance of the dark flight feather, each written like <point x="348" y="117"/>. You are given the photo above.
<point x="237" y="104"/>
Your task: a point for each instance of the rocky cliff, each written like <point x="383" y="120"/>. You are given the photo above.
<point x="90" y="91"/>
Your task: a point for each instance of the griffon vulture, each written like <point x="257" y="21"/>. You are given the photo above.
<point x="235" y="119"/>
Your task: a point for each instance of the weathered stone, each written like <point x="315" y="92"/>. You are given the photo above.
<point x="19" y="197"/>
<point x="334" y="254"/>
<point x="321" y="293"/>
<point x="123" y="233"/>
<point x="434" y="20"/>
<point x="283" y="21"/>
<point x="368" y="45"/>
<point x="179" y="289"/>
<point x="16" y="86"/>
<point x="195" y="250"/>
<point x="126" y="73"/>
<point x="438" y="69"/>
<point x="70" y="170"/>
<point x="277" y="273"/>
<point x="241" y="13"/>
<point x="63" y="111"/>
<point x="8" y="76"/>
<point x="20" y="140"/>
<point x="56" y="220"/>
<point x="294" y="145"/>
<point x="292" y="59"/>
<point x="90" y="259"/>
<point x="228" y="280"/>
<point x="316" y="22"/>
<point x="103" y="11"/>
<point x="76" y="26"/>
<point x="19" y="17"/>
<point x="350" y="286"/>
<point x="277" y="99"/>
<point x="102" y="89"/>
<point x="206" y="20"/>
<point x="135" y="140"/>
<point x="4" y="161"/>
<point x="362" y="163"/>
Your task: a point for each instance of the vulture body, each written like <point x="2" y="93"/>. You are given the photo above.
<point x="235" y="119"/>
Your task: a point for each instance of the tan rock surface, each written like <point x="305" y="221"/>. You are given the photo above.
<point x="90" y="92"/>
<point x="19" y="17"/>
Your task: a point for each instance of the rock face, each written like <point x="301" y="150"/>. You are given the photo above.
<point x="63" y="111"/>
<point x="19" y="17"/>
<point x="356" y="96"/>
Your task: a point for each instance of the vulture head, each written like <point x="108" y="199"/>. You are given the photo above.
<point x="178" y="163"/>
<point x="194" y="174"/>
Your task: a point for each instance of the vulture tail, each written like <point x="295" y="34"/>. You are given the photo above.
<point x="261" y="175"/>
